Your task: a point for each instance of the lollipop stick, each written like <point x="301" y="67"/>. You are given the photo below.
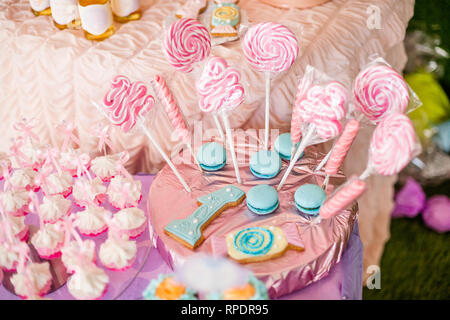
<point x="219" y="127"/>
<point x="164" y="155"/>
<point x="231" y="144"/>
<point x="324" y="161"/>
<point x="267" y="113"/>
<point x="189" y="146"/>
<point x="303" y="144"/>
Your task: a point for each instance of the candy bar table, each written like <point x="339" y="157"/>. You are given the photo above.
<point x="343" y="281"/>
<point x="52" y="75"/>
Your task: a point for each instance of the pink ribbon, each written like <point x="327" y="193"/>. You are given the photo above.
<point x="103" y="136"/>
<point x="21" y="158"/>
<point x="123" y="158"/>
<point x="50" y="158"/>
<point x="81" y="163"/>
<point x="67" y="129"/>
<point x="124" y="191"/>
<point x="41" y="178"/>
<point x="26" y="126"/>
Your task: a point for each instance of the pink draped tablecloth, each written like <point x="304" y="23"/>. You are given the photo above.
<point x="343" y="280"/>
<point x="52" y="75"/>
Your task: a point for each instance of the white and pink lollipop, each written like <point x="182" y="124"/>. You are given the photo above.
<point x="319" y="110"/>
<point x="174" y="113"/>
<point x="379" y="91"/>
<point x="220" y="91"/>
<point x="125" y="104"/>
<point x="391" y="148"/>
<point x="186" y="42"/>
<point x="270" y="48"/>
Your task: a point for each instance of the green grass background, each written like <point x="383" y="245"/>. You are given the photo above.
<point x="416" y="260"/>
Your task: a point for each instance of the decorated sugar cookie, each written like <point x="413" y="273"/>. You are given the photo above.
<point x="256" y="244"/>
<point x="225" y="18"/>
<point x="188" y="231"/>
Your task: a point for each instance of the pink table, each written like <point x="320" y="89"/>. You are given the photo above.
<point x="343" y="282"/>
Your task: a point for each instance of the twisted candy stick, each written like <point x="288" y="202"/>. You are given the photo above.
<point x="342" y="147"/>
<point x="392" y="145"/>
<point x="342" y="198"/>
<point x="174" y="113"/>
<point x="270" y="48"/>
<point x="172" y="109"/>
<point x="379" y="90"/>
<point x="219" y="86"/>
<point x="126" y="102"/>
<point x="187" y="41"/>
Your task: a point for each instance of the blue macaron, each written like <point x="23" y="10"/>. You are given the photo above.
<point x="265" y="164"/>
<point x="309" y="198"/>
<point x="283" y="145"/>
<point x="212" y="156"/>
<point x="262" y="199"/>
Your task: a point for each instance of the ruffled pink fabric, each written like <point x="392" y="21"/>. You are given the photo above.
<point x="52" y="75"/>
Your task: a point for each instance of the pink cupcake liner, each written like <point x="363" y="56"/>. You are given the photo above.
<point x="136" y="232"/>
<point x="23" y="235"/>
<point x="112" y="267"/>
<point x="65" y="194"/>
<point x="103" y="293"/>
<point x="42" y="292"/>
<point x="127" y="205"/>
<point x="98" y="200"/>
<point x="13" y="269"/>
<point x="50" y="253"/>
<point x="93" y="233"/>
<point x="21" y="212"/>
<point x="53" y="221"/>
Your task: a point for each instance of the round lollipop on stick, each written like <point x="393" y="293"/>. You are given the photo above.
<point x="186" y="42"/>
<point x="125" y="104"/>
<point x="391" y="148"/>
<point x="320" y="110"/>
<point x="220" y="92"/>
<point x="174" y="113"/>
<point x="270" y="48"/>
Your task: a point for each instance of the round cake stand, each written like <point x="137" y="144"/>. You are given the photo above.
<point x="324" y="242"/>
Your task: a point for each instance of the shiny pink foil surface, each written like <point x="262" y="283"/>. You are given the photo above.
<point x="324" y="242"/>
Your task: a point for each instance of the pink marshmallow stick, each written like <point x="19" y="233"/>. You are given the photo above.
<point x="174" y="113"/>
<point x="344" y="196"/>
<point x="341" y="148"/>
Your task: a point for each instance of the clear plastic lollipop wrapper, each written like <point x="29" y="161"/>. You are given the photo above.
<point x="319" y="107"/>
<point x="392" y="147"/>
<point x="220" y="91"/>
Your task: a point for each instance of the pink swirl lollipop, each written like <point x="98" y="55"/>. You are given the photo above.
<point x="379" y="90"/>
<point x="270" y="47"/>
<point x="219" y="86"/>
<point x="126" y="102"/>
<point x="392" y="144"/>
<point x="324" y="106"/>
<point x="187" y="41"/>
